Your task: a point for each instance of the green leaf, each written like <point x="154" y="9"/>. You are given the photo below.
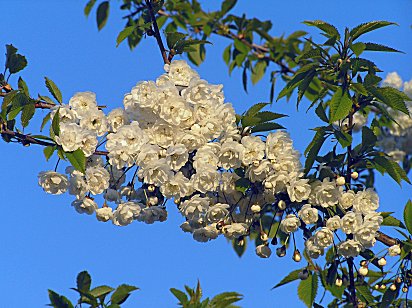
<point x="27" y="114"/>
<point x="320" y="111"/>
<point x="392" y="221"/>
<point x="255" y="109"/>
<point x="124" y="34"/>
<point x="340" y="105"/>
<point x="358" y="48"/>
<point x="198" y="56"/>
<point x="101" y="291"/>
<point x="45" y="120"/>
<point x="308" y="289"/>
<point x="122" y="292"/>
<point x="225" y="299"/>
<point x="59" y="301"/>
<point x="14" y="61"/>
<point x="241" y="47"/>
<point x="368" y="138"/>
<point x="258" y="71"/>
<point x="407" y="216"/>
<point x="102" y="14"/>
<point x="314" y="147"/>
<point x="392" y="168"/>
<point x="365" y="293"/>
<point x="48" y="152"/>
<point x="266" y="127"/>
<point x="77" y="159"/>
<point x="180" y="295"/>
<point x="379" y="47"/>
<point x="84" y="281"/>
<point x="329" y="29"/>
<point x="391" y="97"/>
<point x="227" y="54"/>
<point x="56" y="123"/>
<point x="344" y="138"/>
<point x="54" y="90"/>
<point x="89" y="7"/>
<point x="242" y="185"/>
<point x="239" y="247"/>
<point x="227" y="5"/>
<point x="172" y="38"/>
<point x="367" y="27"/>
<point x="23" y="87"/>
<point x="389" y="296"/>
<point x="292" y="276"/>
<point x="304" y="84"/>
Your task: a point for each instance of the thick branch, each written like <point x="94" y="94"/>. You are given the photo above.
<point x="157" y="32"/>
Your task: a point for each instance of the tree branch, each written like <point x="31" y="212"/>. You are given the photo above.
<point x="157" y="32"/>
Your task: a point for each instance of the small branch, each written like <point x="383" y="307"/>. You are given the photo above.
<point x="157" y="33"/>
<point x="352" y="289"/>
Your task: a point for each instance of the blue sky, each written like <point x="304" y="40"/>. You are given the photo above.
<point x="44" y="243"/>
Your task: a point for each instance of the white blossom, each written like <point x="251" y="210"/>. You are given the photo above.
<point x="53" y="182"/>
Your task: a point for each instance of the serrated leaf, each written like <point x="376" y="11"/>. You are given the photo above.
<point x="198" y="56"/>
<point x="292" y="276"/>
<point x="48" y="152"/>
<point x="180" y="295"/>
<point x="255" y="109"/>
<point x="392" y="221"/>
<point x="47" y="99"/>
<point x="124" y="34"/>
<point x="320" y="111"/>
<point x="407" y="216"/>
<point x="344" y="138"/>
<point x="365" y="293"/>
<point x="27" y="114"/>
<point x="266" y="127"/>
<point x="392" y="168"/>
<point x="14" y="62"/>
<point x="340" y="106"/>
<point x="308" y="289"/>
<point x="358" y="48"/>
<point x="89" y="7"/>
<point x="102" y="14"/>
<point x="59" y="301"/>
<point x="101" y="291"/>
<point x="225" y="299"/>
<point x="379" y="47"/>
<point x="84" y="281"/>
<point x="389" y="296"/>
<point x="391" y="97"/>
<point x="122" y="292"/>
<point x="45" y="120"/>
<point x="54" y="90"/>
<point x="325" y="27"/>
<point x="367" y="27"/>
<point x="23" y="87"/>
<point x="258" y="71"/>
<point x="77" y="159"/>
<point x="173" y="37"/>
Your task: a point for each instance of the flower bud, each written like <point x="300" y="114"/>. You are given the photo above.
<point x="354" y="175"/>
<point x="268" y="185"/>
<point x="297" y="256"/>
<point x="382" y="261"/>
<point x="340" y="181"/>
<point x="263" y="251"/>
<point x="255" y="208"/>
<point x="281" y="251"/>
<point x="364" y="263"/>
<point x="282" y="205"/>
<point x="363" y="271"/>
<point x="398" y="280"/>
<point x="405" y="289"/>
<point x="264" y="236"/>
<point x="392" y="287"/>
<point x="376" y="286"/>
<point x="303" y="275"/>
<point x="382" y="287"/>
<point x="151" y="188"/>
<point x="338" y="282"/>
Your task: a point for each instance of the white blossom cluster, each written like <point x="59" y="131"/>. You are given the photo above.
<point x="397" y="140"/>
<point x="179" y="139"/>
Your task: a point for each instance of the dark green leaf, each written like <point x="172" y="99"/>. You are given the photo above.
<point x="255" y="109"/>
<point x="77" y="159"/>
<point x="59" y="301"/>
<point x="23" y="87"/>
<point x="239" y="247"/>
<point x="89" y="7"/>
<point x="241" y="46"/>
<point x="227" y="54"/>
<point x="27" y="114"/>
<point x="102" y="14"/>
<point x="172" y="38"/>
<point x="320" y="111"/>
<point x="101" y="291"/>
<point x="367" y="27"/>
<point x="225" y="299"/>
<point x="358" y="48"/>
<point x="392" y="168"/>
<point x="84" y="281"/>
<point x="122" y="292"/>
<point x="379" y="47"/>
<point x="14" y="61"/>
<point x="181" y="296"/>
<point x="340" y="105"/>
<point x="124" y="34"/>
<point x="54" y="90"/>
<point x="45" y="120"/>
<point x="266" y="127"/>
<point x="258" y="71"/>
<point x="343" y="137"/>
<point x="368" y="138"/>
<point x="388" y="297"/>
<point x="56" y="123"/>
<point x="227" y="5"/>
<point x="325" y="27"/>
<point x="392" y="221"/>
<point x="242" y="185"/>
<point x="407" y="216"/>
<point x="365" y="293"/>
<point x="292" y="276"/>
<point x="48" y="151"/>
<point x="308" y="289"/>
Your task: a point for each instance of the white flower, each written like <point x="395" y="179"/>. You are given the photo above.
<point x="308" y="214"/>
<point x="155" y="172"/>
<point x="263" y="251"/>
<point x="145" y="95"/>
<point x="205" y="234"/>
<point x="351" y="222"/>
<point x="299" y="190"/>
<point x="53" y="182"/>
<point x="180" y="72"/>
<point x="313" y="250"/>
<point x="373" y="220"/>
<point x="85" y="206"/>
<point x="194" y="207"/>
<point x="366" y="236"/>
<point x="324" y="193"/>
<point x="235" y="230"/>
<point x="70" y="137"/>
<point x="83" y="103"/>
<point x="394" y="250"/>
<point x="290" y="224"/>
<point x="104" y="214"/>
<point x="177" y="156"/>
<point x="117" y="118"/>
<point x="78" y="186"/>
<point x="277" y="144"/>
<point x="205" y="180"/>
<point x="254" y="149"/>
<point x="260" y="170"/>
<point x="112" y="195"/>
<point x="151" y="214"/>
<point x="206" y="158"/>
<point x="89" y="143"/>
<point x="334" y="223"/>
<point x="323" y="238"/>
<point x="126" y="213"/>
<point x="349" y="248"/>
<point x="95" y="120"/>
<point x="346" y="199"/>
<point x="178" y="186"/>
<point x="217" y="212"/>
<point x="175" y="110"/>
<point x="231" y="154"/>
<point x="366" y="201"/>
<point x="66" y="114"/>
<point x="97" y="179"/>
